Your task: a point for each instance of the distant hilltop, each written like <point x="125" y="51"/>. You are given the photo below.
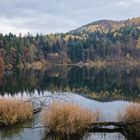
<point x="105" y="25"/>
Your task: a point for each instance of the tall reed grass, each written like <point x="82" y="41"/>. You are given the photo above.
<point x="14" y="111"/>
<point x="132" y="114"/>
<point x="67" y="118"/>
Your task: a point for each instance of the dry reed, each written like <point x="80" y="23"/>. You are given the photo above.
<point x="132" y="114"/>
<point x="14" y="111"/>
<point x="67" y="118"/>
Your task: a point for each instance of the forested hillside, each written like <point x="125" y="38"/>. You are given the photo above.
<point x="102" y="40"/>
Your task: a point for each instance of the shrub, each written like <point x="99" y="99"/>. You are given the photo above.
<point x="14" y="111"/>
<point x="67" y="118"/>
<point x="132" y="114"/>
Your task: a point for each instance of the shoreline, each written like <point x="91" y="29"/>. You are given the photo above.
<point x="38" y="65"/>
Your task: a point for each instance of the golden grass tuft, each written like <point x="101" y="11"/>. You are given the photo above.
<point x="132" y="114"/>
<point x="14" y="111"/>
<point x="67" y="118"/>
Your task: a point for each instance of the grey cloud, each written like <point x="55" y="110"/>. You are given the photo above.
<point x="45" y="16"/>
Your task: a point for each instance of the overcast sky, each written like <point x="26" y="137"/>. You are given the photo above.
<point x="46" y="16"/>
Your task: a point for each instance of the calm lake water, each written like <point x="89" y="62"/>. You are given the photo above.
<point x="109" y="90"/>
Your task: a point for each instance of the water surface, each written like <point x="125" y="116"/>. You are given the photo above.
<point x="109" y="90"/>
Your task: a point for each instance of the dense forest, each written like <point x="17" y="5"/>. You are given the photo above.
<point x="103" y="40"/>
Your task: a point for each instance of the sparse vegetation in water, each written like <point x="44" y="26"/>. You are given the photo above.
<point x="14" y="111"/>
<point x="132" y="114"/>
<point x="67" y="118"/>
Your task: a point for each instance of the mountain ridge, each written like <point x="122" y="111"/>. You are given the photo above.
<point x="106" y="24"/>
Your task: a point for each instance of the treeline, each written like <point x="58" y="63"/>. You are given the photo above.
<point x="113" y="44"/>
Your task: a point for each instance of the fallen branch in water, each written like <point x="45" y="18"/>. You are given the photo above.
<point x="48" y="96"/>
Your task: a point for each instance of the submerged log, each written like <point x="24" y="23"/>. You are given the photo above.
<point x="116" y="124"/>
<point x="112" y="127"/>
<point x="106" y="127"/>
<point x="105" y="130"/>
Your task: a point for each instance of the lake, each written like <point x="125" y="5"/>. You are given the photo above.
<point x="109" y="90"/>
